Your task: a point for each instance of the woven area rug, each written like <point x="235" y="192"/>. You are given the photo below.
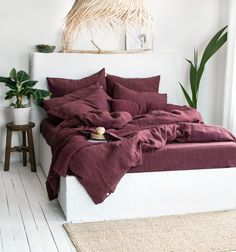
<point x="204" y="232"/>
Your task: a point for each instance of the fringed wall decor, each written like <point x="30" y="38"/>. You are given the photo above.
<point x="113" y="14"/>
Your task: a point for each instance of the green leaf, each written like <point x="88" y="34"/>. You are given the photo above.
<point x="37" y="94"/>
<point x="190" y="103"/>
<point x="218" y="45"/>
<point x="13" y="74"/>
<point x="40" y="94"/>
<point x="13" y="104"/>
<point x="10" y="94"/>
<point x="11" y="85"/>
<point x="8" y="82"/>
<point x="195" y="58"/>
<point x="196" y="72"/>
<point x="5" y="79"/>
<point x="29" y="84"/>
<point x="39" y="103"/>
<point x="208" y="53"/>
<point x="22" y="76"/>
<point x="211" y="44"/>
<point x="21" y="86"/>
<point x="28" y="92"/>
<point x="193" y="82"/>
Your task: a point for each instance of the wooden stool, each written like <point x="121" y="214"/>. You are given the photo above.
<point x="27" y="128"/>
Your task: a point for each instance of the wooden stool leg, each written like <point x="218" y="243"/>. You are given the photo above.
<point x="24" y="145"/>
<point x="31" y="150"/>
<point x="8" y="150"/>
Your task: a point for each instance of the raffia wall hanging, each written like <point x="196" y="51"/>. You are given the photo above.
<point x="113" y="14"/>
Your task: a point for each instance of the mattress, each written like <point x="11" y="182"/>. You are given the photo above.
<point x="48" y="129"/>
<point x="174" y="156"/>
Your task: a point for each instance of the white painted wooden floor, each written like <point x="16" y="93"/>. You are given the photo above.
<point x="28" y="221"/>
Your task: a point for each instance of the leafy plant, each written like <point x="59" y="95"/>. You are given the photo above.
<point x="196" y="70"/>
<point x="21" y="87"/>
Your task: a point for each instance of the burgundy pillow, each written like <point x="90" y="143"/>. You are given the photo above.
<point x="99" y="100"/>
<point x="128" y="106"/>
<point x="59" y="86"/>
<point x="144" y="99"/>
<point x="150" y="84"/>
<point x="68" y="110"/>
<point x="76" y="95"/>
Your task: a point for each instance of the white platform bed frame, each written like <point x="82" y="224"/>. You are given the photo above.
<point x="138" y="194"/>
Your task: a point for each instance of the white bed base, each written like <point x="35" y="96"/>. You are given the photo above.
<point x="137" y="194"/>
<point x="148" y="194"/>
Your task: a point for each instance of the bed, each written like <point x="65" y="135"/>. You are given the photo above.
<point x="138" y="194"/>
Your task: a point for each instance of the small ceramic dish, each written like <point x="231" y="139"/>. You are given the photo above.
<point x="45" y="48"/>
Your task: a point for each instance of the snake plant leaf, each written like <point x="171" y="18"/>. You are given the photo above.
<point x="192" y="77"/>
<point x="196" y="71"/>
<point x="213" y="46"/>
<point x="195" y="58"/>
<point x="207" y="53"/>
<point x="195" y="77"/>
<point x="200" y="73"/>
<point x="190" y="103"/>
<point x="218" y="44"/>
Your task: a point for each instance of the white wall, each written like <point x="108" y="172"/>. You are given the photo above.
<point x="180" y="26"/>
<point x="183" y="25"/>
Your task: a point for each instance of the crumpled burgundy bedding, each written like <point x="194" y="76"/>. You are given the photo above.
<point x="130" y="138"/>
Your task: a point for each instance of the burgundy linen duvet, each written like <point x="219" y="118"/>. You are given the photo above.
<point x="130" y="137"/>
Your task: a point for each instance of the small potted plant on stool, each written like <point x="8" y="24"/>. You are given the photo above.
<point x="22" y="89"/>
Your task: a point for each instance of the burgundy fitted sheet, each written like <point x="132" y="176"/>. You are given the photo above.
<point x="174" y="156"/>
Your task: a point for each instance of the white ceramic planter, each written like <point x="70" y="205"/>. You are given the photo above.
<point x="21" y="116"/>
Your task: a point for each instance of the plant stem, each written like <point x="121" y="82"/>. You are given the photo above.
<point x="19" y="102"/>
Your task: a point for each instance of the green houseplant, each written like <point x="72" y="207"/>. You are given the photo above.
<point x="22" y="90"/>
<point x="197" y="69"/>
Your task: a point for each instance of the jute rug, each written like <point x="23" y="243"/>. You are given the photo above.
<point x="204" y="232"/>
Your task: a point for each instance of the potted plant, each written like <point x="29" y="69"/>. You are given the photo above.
<point x="22" y="89"/>
<point x="197" y="69"/>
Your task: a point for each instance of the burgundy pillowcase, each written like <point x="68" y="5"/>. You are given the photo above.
<point x="99" y="100"/>
<point x="76" y="95"/>
<point x="59" y="86"/>
<point x="150" y="84"/>
<point x="143" y="99"/>
<point x="68" y="110"/>
<point x="127" y="106"/>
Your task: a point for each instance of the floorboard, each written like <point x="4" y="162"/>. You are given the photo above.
<point x="28" y="220"/>
<point x="7" y="236"/>
<point x="15" y="214"/>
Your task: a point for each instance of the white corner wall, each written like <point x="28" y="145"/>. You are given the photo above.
<point x="180" y="26"/>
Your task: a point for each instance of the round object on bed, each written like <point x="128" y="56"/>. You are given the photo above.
<point x="100" y="130"/>
<point x="97" y="137"/>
